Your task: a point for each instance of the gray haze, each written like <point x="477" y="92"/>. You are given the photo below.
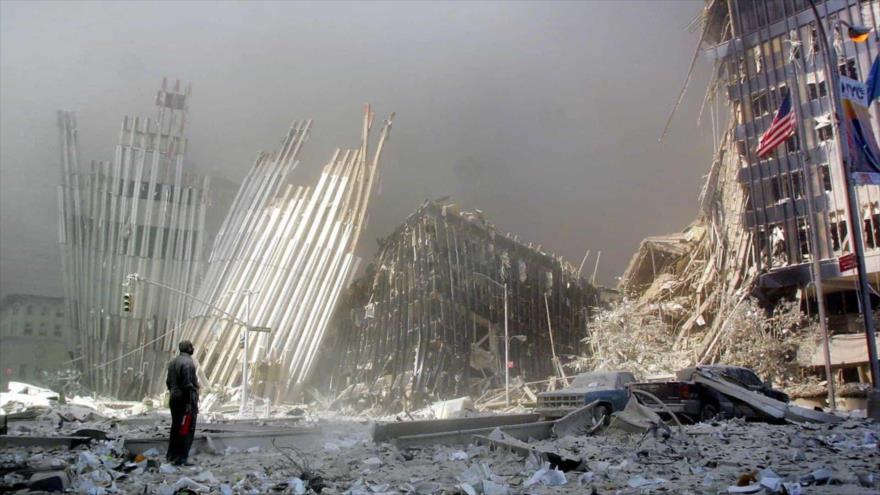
<point x="543" y="115"/>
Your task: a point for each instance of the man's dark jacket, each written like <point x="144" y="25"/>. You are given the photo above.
<point x="183" y="383"/>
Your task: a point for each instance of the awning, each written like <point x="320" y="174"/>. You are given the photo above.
<point x="846" y="350"/>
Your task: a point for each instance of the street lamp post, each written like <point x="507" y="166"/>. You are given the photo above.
<point x="244" y="359"/>
<point x="246" y="325"/>
<point x="829" y="56"/>
<point x="506" y="339"/>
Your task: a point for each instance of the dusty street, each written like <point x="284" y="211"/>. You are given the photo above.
<point x="704" y="458"/>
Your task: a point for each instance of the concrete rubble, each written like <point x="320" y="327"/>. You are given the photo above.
<point x="725" y="457"/>
<point x="344" y="455"/>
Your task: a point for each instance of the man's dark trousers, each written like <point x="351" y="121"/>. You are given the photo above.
<point x="178" y="444"/>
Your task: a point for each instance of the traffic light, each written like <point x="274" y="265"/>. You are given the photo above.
<point x="126" y="302"/>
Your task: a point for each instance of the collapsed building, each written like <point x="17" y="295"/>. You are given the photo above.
<point x="763" y="220"/>
<point x="282" y="257"/>
<point x="143" y="212"/>
<point x="446" y="293"/>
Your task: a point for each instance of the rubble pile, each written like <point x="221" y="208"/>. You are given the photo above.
<point x="691" y="296"/>
<point x="720" y="457"/>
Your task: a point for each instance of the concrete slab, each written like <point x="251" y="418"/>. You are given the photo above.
<point x="537" y="431"/>
<point x="301" y="438"/>
<point x="42" y="441"/>
<point x="384" y="432"/>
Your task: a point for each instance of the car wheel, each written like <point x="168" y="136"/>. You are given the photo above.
<point x="708" y="412"/>
<point x="601" y="414"/>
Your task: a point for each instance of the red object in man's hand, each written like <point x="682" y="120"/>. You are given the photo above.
<point x="186" y="424"/>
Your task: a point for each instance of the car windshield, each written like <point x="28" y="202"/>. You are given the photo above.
<point x="744" y="376"/>
<point x="594" y="380"/>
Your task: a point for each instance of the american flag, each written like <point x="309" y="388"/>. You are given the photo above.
<point x="783" y="127"/>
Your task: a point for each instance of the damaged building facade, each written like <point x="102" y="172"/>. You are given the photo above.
<point x="427" y="319"/>
<point x="773" y="48"/>
<point x="753" y="237"/>
<point x="142" y="212"/>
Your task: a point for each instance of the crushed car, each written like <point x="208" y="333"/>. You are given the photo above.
<point x="608" y="388"/>
<point x="693" y="401"/>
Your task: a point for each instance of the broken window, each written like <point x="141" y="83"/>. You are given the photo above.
<point x="779" y="251"/>
<point x="848" y="69"/>
<point x="824" y="133"/>
<point x="826" y="177"/>
<point x="778" y="188"/>
<point x="872" y="231"/>
<point x="797" y="184"/>
<point x="817" y="90"/>
<point x="838" y="236"/>
<point x="816" y="46"/>
<point x="738" y="111"/>
<point x="792" y="144"/>
<point x="742" y="150"/>
<point x="760" y="103"/>
<point x="803" y="236"/>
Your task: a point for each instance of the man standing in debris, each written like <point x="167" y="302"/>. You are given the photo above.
<point x="183" y="385"/>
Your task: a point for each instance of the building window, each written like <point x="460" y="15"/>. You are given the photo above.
<point x="58" y="330"/>
<point x="797" y="184"/>
<point x="817" y="41"/>
<point x="59" y="313"/>
<point x="838" y="235"/>
<point x="848" y="69"/>
<point x="28" y="328"/>
<point x="792" y="144"/>
<point x="778" y="188"/>
<point x="43" y="330"/>
<point x="825" y="133"/>
<point x="870" y="240"/>
<point x="741" y="149"/>
<point x="817" y="90"/>
<point x="29" y="310"/>
<point x="803" y="236"/>
<point x="826" y="177"/>
<point x="760" y="104"/>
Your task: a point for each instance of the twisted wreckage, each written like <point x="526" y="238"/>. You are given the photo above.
<point x="280" y="260"/>
<point x="141" y="212"/>
<point x="427" y="319"/>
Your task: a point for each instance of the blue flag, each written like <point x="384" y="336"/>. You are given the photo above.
<point x="873" y="82"/>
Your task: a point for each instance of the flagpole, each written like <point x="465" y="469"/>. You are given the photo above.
<point x="815" y="252"/>
<point x="855" y="221"/>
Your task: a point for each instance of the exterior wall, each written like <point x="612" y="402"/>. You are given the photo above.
<point x="143" y="212"/>
<point x="34" y="335"/>
<point x="422" y="325"/>
<point x="756" y="69"/>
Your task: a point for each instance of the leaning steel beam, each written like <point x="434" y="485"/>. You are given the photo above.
<point x="290" y="249"/>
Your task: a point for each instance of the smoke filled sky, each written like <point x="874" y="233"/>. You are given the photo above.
<point x="545" y="116"/>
